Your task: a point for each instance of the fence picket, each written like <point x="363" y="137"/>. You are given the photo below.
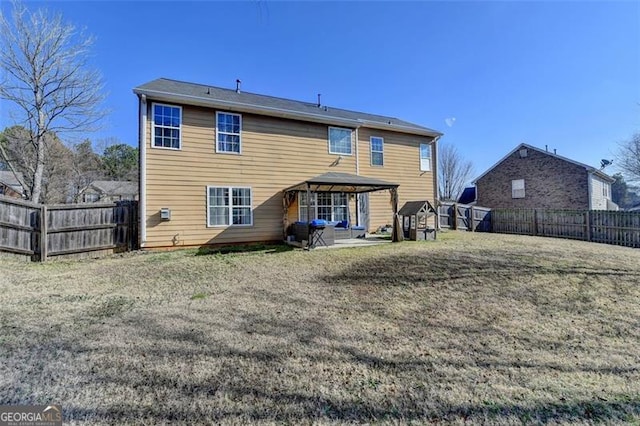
<point x="53" y="230"/>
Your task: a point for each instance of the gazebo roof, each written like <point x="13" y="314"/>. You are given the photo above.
<point x="342" y="182"/>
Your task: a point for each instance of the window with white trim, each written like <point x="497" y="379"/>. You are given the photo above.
<point x="425" y="157"/>
<point x="166" y="126"/>
<point x="330" y="206"/>
<point x="228" y="128"/>
<point x="229" y="206"/>
<point x="377" y="151"/>
<point x="517" y="188"/>
<point x="339" y="141"/>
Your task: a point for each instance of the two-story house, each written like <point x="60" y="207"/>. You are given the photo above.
<point x="215" y="164"/>
<point x="530" y="177"/>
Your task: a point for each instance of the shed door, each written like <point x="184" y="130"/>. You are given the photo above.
<point x="363" y="210"/>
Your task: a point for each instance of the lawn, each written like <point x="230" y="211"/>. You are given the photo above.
<point x="473" y="328"/>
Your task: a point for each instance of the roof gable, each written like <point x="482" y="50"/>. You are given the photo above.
<point x="588" y="168"/>
<point x="115" y="187"/>
<point x="8" y="178"/>
<point x="198" y="94"/>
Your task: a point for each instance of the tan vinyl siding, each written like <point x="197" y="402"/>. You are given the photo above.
<point x="276" y="154"/>
<point x="401" y="166"/>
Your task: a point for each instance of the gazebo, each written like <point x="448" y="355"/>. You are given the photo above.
<point x="348" y="183"/>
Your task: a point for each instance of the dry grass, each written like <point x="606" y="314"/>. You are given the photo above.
<point x="476" y="328"/>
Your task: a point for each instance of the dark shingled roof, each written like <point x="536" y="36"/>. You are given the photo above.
<point x="199" y="94"/>
<point x="468" y="196"/>
<point x="342" y="182"/>
<point x="9" y="179"/>
<point x="116" y="187"/>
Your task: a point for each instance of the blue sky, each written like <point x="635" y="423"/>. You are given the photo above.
<point x="489" y="75"/>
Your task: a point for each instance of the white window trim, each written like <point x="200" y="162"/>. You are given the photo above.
<point x="523" y="189"/>
<point x="153" y="126"/>
<point x="230" y="188"/>
<point x="371" y="151"/>
<point x="350" y="140"/>
<point x="314" y="207"/>
<point x="422" y="169"/>
<point x="227" y="133"/>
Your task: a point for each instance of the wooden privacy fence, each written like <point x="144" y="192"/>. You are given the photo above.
<point x="464" y="217"/>
<point x="43" y="231"/>
<point x="602" y="226"/>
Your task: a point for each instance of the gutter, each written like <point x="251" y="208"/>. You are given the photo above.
<point x="279" y="112"/>
<point x="142" y="203"/>
<point x="436" y="195"/>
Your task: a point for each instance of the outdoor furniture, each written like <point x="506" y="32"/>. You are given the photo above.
<point x="342" y="233"/>
<point x="358" y="232"/>
<point x="317" y="233"/>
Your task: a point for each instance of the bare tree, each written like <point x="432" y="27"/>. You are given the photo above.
<point x="46" y="77"/>
<point x="628" y="158"/>
<point x="22" y="157"/>
<point x="453" y="172"/>
<point x="85" y="167"/>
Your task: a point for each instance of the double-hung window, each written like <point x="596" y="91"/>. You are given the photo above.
<point x="228" y="128"/>
<point x="377" y="151"/>
<point x="425" y="157"/>
<point x="517" y="188"/>
<point x="330" y="206"/>
<point x="229" y="206"/>
<point x="166" y="126"/>
<point x="339" y="141"/>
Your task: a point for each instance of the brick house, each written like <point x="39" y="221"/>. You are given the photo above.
<point x="529" y="177"/>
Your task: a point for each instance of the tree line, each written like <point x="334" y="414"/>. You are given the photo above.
<point x="69" y="168"/>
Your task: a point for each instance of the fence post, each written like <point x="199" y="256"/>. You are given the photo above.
<point x="535" y="222"/>
<point x="455" y="216"/>
<point x="43" y="233"/>
<point x="472" y="220"/>
<point x="587" y="221"/>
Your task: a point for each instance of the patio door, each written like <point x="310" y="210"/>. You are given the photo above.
<point x="363" y="210"/>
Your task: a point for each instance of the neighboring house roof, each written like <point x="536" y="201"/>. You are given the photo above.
<point x="168" y="90"/>
<point x="115" y="187"/>
<point x="589" y="169"/>
<point x="9" y="179"/>
<point x="635" y="208"/>
<point x="468" y="196"/>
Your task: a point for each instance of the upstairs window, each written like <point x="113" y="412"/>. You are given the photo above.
<point x="517" y="188"/>
<point x="228" y="127"/>
<point x="339" y="141"/>
<point x="166" y="126"/>
<point x="425" y="157"/>
<point x="377" y="151"/>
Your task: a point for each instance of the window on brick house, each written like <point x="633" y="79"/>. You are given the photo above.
<point x="517" y="188"/>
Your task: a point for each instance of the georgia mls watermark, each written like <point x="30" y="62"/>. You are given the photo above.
<point x="30" y="415"/>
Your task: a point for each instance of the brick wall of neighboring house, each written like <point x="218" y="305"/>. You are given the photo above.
<point x="550" y="182"/>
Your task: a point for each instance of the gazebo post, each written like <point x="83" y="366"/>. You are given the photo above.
<point x="396" y="236"/>
<point x="308" y="215"/>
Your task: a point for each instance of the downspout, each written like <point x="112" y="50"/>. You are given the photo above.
<point x="357" y="153"/>
<point x="143" y="170"/>
<point x="436" y="195"/>
<point x="357" y="174"/>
